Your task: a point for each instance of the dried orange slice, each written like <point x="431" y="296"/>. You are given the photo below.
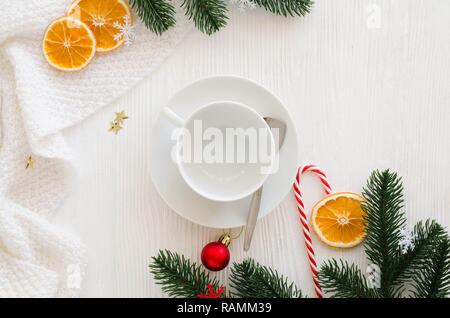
<point x="100" y="16"/>
<point x="68" y="44"/>
<point x="338" y="220"/>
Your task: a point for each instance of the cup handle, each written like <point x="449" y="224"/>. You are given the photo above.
<point x="172" y="117"/>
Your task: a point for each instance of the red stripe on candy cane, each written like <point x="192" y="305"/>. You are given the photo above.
<point x="301" y="209"/>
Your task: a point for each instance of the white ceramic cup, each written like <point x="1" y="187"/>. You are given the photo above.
<point x="224" y="151"/>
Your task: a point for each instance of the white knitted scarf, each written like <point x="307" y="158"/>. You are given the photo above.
<point x="36" y="103"/>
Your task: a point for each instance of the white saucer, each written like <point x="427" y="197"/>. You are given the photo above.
<point x="167" y="179"/>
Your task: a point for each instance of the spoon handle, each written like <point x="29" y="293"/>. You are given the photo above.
<point x="252" y="217"/>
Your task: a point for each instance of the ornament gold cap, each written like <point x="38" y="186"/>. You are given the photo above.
<point x="225" y="239"/>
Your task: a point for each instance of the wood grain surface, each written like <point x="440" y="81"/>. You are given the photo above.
<point x="368" y="85"/>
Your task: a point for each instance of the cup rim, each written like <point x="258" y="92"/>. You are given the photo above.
<point x="255" y="187"/>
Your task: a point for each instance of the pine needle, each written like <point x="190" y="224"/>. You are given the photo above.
<point x="432" y="280"/>
<point x="209" y="16"/>
<point x="344" y="280"/>
<point x="157" y="15"/>
<point x="383" y="220"/>
<point x="179" y="276"/>
<point x="252" y="280"/>
<point x="427" y="236"/>
<point x="286" y="7"/>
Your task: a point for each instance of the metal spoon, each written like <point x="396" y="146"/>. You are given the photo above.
<point x="256" y="199"/>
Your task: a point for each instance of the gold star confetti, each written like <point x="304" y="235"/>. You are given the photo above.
<point x="29" y="162"/>
<point x="120" y="117"/>
<point x="115" y="126"/>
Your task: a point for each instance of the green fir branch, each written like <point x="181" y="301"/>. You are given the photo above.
<point x="432" y="280"/>
<point x="157" y="15"/>
<point x="344" y="280"/>
<point x="286" y="7"/>
<point x="383" y="220"/>
<point x="252" y="280"/>
<point x="209" y="16"/>
<point x="426" y="263"/>
<point x="179" y="276"/>
<point x="426" y="236"/>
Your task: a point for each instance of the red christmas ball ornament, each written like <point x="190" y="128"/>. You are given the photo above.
<point x="215" y="255"/>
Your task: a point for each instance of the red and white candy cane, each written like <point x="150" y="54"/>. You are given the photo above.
<point x="301" y="209"/>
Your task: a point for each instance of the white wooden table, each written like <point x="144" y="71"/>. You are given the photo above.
<point x="368" y="85"/>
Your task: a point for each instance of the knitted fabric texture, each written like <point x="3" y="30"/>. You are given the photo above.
<point x="36" y="103"/>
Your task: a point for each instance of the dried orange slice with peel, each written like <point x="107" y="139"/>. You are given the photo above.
<point x="338" y="220"/>
<point x="68" y="44"/>
<point x="100" y="16"/>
